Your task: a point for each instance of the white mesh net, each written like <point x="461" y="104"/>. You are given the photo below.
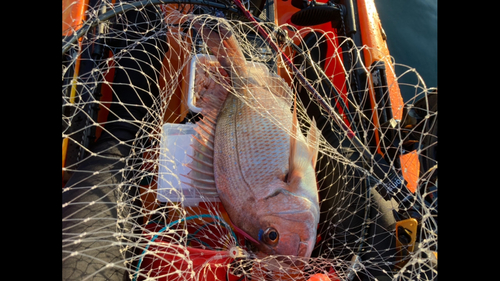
<point x="135" y="78"/>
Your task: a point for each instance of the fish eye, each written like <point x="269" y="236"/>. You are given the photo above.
<point x="271" y="236"/>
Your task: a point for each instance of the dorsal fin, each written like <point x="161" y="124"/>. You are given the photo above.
<point x="201" y="175"/>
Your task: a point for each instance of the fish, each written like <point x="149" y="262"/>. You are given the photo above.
<point x="251" y="152"/>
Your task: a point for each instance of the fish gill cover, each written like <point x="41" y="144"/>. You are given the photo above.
<point x="143" y="90"/>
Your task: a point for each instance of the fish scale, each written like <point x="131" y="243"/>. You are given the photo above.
<point x="242" y="151"/>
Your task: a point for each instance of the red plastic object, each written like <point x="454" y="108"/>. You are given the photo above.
<point x="319" y="277"/>
<point x="168" y="261"/>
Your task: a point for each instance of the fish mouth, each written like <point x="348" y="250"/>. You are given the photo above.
<point x="304" y="249"/>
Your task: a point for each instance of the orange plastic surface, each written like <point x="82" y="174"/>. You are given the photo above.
<point x="319" y="277"/>
<point x="410" y="166"/>
<point x="371" y="35"/>
<point x="73" y="15"/>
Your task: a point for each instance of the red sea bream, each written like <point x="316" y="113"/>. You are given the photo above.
<point x="251" y="152"/>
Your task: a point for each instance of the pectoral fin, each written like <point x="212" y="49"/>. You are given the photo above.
<point x="303" y="152"/>
<point x="294" y="153"/>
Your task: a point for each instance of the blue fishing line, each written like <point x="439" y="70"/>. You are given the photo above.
<point x="260" y="234"/>
<point x="174" y="223"/>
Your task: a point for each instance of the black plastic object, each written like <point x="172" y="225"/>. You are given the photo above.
<point x="317" y="47"/>
<point x="318" y="14"/>
<point x="350" y="17"/>
<point x="256" y="7"/>
<point x="379" y="79"/>
<point x="299" y="4"/>
<point x="393" y="183"/>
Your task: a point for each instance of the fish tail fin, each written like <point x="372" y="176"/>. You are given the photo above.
<point x="224" y="46"/>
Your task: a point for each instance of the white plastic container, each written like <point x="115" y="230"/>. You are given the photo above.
<point x="174" y="150"/>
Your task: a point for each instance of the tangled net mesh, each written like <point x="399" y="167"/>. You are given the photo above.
<point x="127" y="126"/>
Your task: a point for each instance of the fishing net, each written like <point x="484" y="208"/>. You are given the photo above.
<point x="133" y="78"/>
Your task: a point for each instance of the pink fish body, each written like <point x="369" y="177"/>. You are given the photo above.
<point x="263" y="167"/>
